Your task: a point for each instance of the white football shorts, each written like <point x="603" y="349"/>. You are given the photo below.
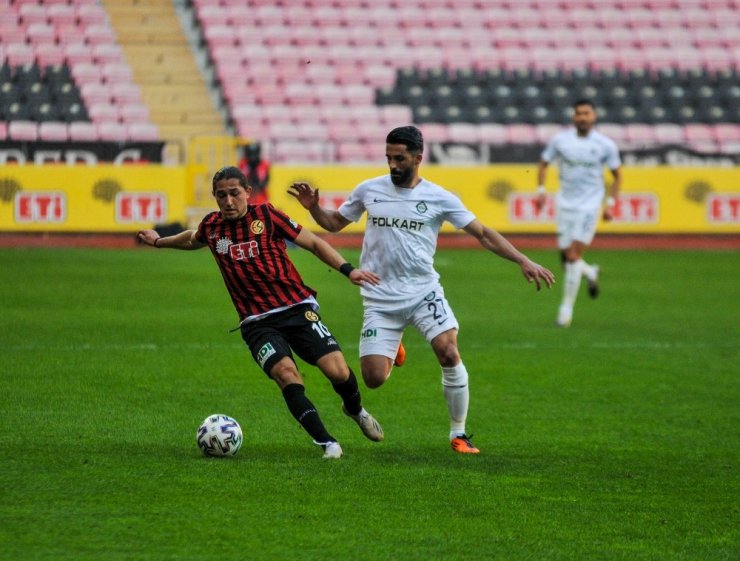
<point x="576" y="225"/>
<point x="382" y="328"/>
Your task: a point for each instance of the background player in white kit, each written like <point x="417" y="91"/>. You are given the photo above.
<point x="581" y="154"/>
<point x="404" y="215"/>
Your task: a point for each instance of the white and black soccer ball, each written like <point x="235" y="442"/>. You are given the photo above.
<point x="219" y="435"/>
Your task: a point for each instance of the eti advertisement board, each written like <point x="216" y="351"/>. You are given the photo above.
<point x="658" y="200"/>
<point x="102" y="198"/>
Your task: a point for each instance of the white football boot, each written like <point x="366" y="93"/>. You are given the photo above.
<point x="367" y="423"/>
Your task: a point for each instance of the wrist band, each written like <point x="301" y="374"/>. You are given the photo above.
<point x="155" y="241"/>
<point x="541" y="189"/>
<point x="610" y="201"/>
<point x="346" y="269"/>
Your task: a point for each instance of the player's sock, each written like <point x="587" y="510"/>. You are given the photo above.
<point x="350" y="394"/>
<point x="305" y="413"/>
<point x="572" y="284"/>
<point x="587" y="270"/>
<point x="457" y="394"/>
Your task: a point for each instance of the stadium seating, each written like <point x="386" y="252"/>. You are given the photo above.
<point x="468" y="71"/>
<point x="342" y="72"/>
<point x="62" y="65"/>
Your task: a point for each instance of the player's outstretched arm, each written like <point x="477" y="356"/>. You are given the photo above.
<point x="183" y="240"/>
<point x="541" y="198"/>
<point x="496" y="243"/>
<point x="310" y="241"/>
<point x="611" y="200"/>
<point x="309" y="199"/>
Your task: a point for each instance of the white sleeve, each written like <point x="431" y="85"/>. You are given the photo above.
<point x="456" y="213"/>
<point x="613" y="161"/>
<point x="549" y="152"/>
<point x="354" y="206"/>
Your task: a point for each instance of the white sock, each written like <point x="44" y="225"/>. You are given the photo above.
<point x="457" y="394"/>
<point x="588" y="271"/>
<point x="571" y="285"/>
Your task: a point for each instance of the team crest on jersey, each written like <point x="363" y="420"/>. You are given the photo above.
<point x="257" y="227"/>
<point x="421" y="207"/>
<point x="312" y="316"/>
<point x="223" y="245"/>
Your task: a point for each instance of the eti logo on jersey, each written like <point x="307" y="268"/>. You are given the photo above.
<point x="243" y="251"/>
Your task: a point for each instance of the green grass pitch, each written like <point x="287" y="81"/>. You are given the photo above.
<point x="616" y="439"/>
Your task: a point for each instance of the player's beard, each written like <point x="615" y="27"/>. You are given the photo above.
<point x="401" y="178"/>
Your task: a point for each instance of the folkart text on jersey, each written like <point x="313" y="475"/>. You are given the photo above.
<point x="400" y="223"/>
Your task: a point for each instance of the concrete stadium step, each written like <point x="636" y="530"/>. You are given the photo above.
<point x="156" y="48"/>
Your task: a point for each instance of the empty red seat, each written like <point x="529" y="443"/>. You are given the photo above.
<point x="142" y="132"/>
<point x="53" y="131"/>
<point x="23" y="130"/>
<point x="112" y="131"/>
<point x="83" y="131"/>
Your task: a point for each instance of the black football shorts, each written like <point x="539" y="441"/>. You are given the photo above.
<point x="298" y="329"/>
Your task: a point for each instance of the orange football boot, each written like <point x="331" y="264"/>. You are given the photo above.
<point x="400" y="355"/>
<point x="462" y="445"/>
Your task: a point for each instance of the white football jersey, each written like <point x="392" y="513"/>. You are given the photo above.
<point x="581" y="162"/>
<point x="401" y="234"/>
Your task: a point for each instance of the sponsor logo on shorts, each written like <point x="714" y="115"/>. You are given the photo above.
<point x="312" y="316"/>
<point x="264" y="353"/>
<point x="369" y="334"/>
<point x="257" y="227"/>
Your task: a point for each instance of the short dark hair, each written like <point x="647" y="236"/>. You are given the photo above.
<point x="229" y="172"/>
<point x="579" y="102"/>
<point x="409" y="136"/>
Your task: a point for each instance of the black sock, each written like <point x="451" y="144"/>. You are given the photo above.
<point x="350" y="394"/>
<point x="305" y="413"/>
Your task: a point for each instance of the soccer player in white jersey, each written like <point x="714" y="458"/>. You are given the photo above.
<point x="581" y="154"/>
<point x="404" y="215"/>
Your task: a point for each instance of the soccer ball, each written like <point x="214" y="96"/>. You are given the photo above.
<point x="219" y="435"/>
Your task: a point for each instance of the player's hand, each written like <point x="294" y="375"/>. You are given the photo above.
<point x="539" y="201"/>
<point x="537" y="274"/>
<point x="304" y="194"/>
<point x="608" y="214"/>
<point x="147" y="237"/>
<point x="360" y="276"/>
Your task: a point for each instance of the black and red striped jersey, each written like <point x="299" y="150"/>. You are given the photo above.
<point x="251" y="253"/>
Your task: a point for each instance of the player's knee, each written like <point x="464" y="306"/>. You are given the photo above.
<point x="374" y="377"/>
<point x="447" y="354"/>
<point x="334" y="367"/>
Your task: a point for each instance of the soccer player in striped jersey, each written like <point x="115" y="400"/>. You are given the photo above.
<point x="404" y="216"/>
<point x="581" y="154"/>
<point x="278" y="313"/>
